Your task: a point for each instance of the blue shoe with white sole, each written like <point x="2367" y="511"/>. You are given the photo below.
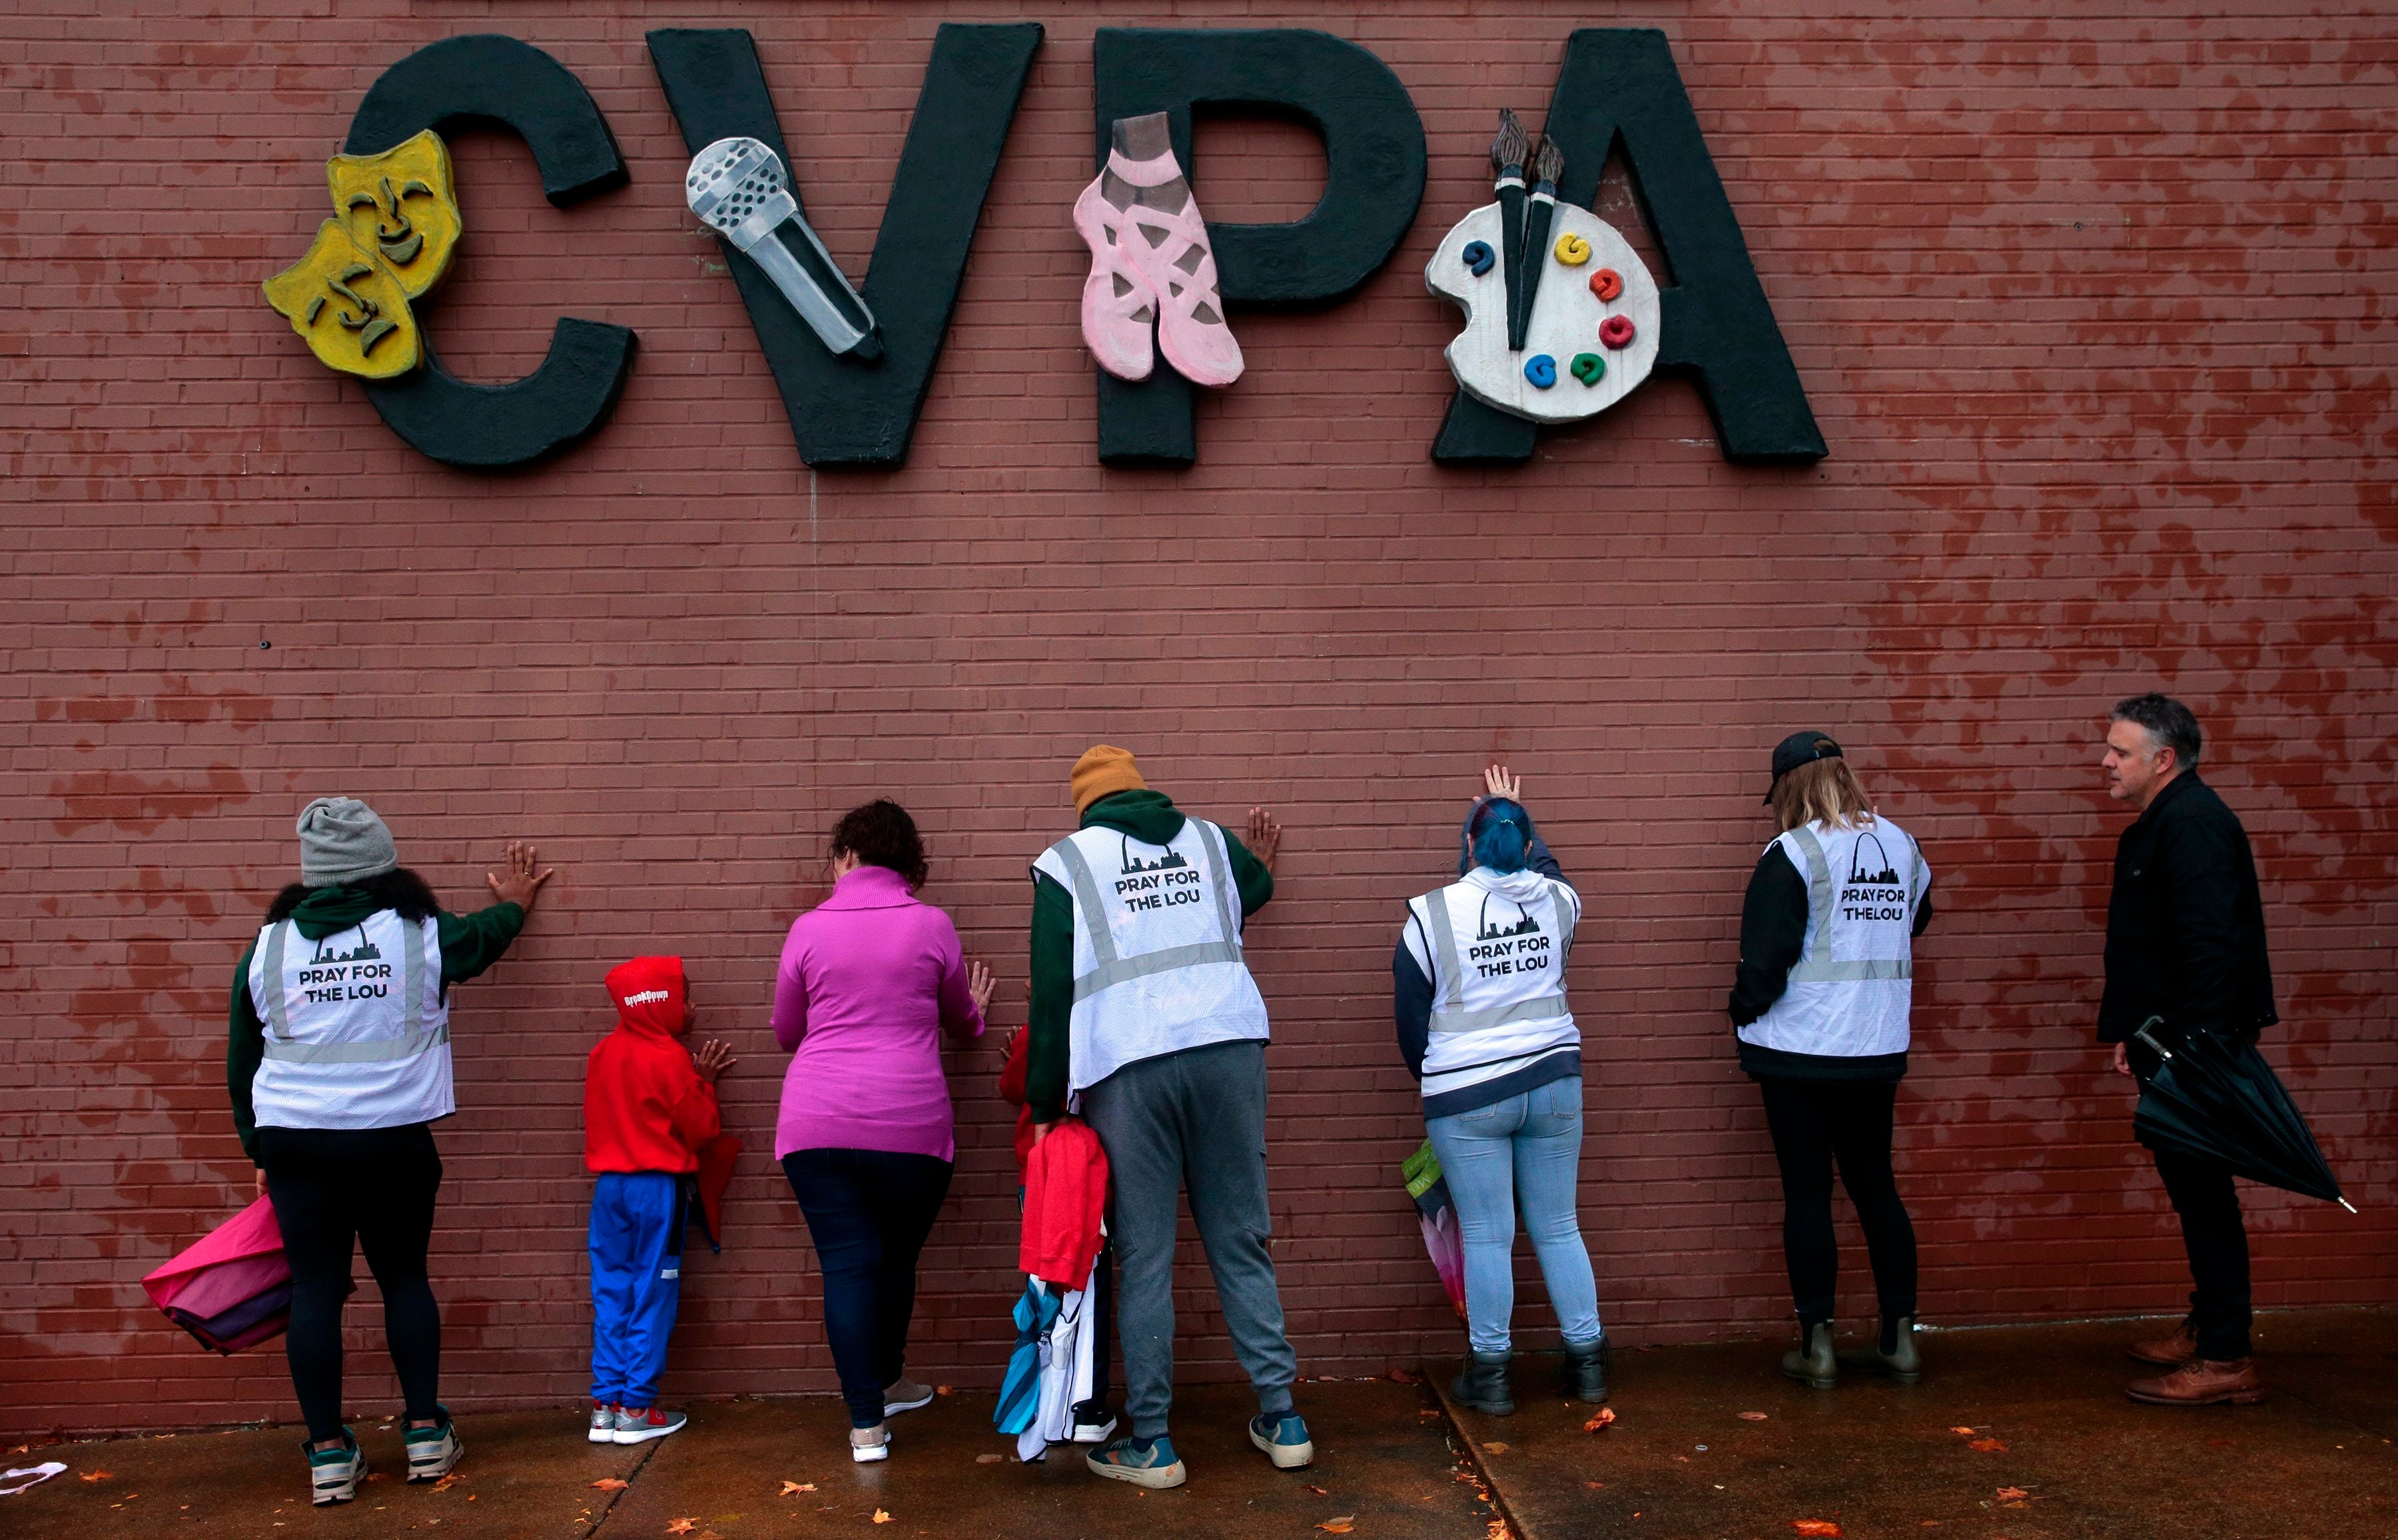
<point x="1282" y="1435"/>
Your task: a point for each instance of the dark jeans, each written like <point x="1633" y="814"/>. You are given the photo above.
<point x="334" y="1190"/>
<point x="2218" y="1243"/>
<point x="2211" y="1233"/>
<point x="1817" y="1124"/>
<point x="868" y="1212"/>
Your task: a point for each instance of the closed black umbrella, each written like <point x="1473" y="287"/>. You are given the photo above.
<point x="2217" y="1100"/>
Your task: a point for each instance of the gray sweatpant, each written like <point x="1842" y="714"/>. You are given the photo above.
<point x="1196" y="1121"/>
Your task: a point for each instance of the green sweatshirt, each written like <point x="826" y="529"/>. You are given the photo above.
<point x="470" y="944"/>
<point x="1151" y="818"/>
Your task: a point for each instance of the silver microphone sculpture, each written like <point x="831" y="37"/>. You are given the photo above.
<point x="736" y="186"/>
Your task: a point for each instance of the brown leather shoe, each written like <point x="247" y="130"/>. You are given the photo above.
<point x="2204" y="1381"/>
<point x="2173" y="1352"/>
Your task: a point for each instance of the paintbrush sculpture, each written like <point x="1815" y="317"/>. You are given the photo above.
<point x="1508" y="153"/>
<point x="1547" y="166"/>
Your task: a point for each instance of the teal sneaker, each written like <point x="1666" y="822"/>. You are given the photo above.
<point x="335" y="1473"/>
<point x="1149" y="1462"/>
<point x="1282" y="1435"/>
<point x="434" y="1452"/>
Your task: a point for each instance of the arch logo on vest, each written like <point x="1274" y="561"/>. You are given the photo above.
<point x="1501" y="947"/>
<point x="331" y="977"/>
<point x="1874" y="895"/>
<point x="1162" y="884"/>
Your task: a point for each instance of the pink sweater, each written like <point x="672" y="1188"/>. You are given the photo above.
<point x="869" y="979"/>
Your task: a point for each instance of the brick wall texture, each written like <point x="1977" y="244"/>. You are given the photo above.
<point x="2093" y="302"/>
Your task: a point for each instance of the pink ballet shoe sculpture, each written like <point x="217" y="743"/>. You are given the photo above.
<point x="1150" y="264"/>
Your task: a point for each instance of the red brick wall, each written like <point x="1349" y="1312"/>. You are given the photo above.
<point x="2093" y="306"/>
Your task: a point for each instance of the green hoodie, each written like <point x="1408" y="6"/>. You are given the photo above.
<point x="470" y="944"/>
<point x="1151" y="818"/>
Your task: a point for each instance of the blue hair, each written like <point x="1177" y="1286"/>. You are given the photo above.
<point x="1500" y="834"/>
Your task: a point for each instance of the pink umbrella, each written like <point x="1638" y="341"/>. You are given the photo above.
<point x="231" y="1288"/>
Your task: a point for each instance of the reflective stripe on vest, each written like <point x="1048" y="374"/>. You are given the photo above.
<point x="1111" y="969"/>
<point x="1819" y="966"/>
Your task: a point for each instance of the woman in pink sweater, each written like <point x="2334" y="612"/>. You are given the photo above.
<point x="870" y="980"/>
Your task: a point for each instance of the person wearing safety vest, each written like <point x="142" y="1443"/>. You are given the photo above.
<point x="1144" y="1017"/>
<point x="338" y="1063"/>
<point x="1478" y="989"/>
<point x="1821" y="1003"/>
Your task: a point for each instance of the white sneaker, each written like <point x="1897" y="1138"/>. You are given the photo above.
<point x="335" y="1473"/>
<point x="640" y="1425"/>
<point x="868" y="1445"/>
<point x="603" y="1422"/>
<point x="1095" y="1433"/>
<point x="904" y="1395"/>
<point x="434" y="1452"/>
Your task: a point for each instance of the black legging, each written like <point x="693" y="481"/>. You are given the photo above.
<point x="1816" y="1123"/>
<point x="868" y="1212"/>
<point x="335" y="1189"/>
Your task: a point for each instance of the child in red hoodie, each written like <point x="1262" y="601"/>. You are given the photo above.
<point x="649" y="1103"/>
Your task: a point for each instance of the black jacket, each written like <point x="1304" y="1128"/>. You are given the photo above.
<point x="2185" y="923"/>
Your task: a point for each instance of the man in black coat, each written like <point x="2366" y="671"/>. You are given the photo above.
<point x="2186" y="940"/>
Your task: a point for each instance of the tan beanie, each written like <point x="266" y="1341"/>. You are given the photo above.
<point x="1103" y="770"/>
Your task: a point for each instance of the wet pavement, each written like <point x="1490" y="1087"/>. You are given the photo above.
<point x="2014" y="1434"/>
<point x="2020" y="1433"/>
<point x="1384" y="1465"/>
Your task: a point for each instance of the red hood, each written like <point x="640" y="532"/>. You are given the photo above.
<point x="650" y="996"/>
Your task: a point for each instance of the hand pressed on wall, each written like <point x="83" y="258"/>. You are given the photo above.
<point x="980" y="985"/>
<point x="1497" y="782"/>
<point x="522" y="883"/>
<point x="1265" y="838"/>
<point x="712" y="1059"/>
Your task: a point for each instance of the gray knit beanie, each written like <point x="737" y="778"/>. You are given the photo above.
<point x="341" y="840"/>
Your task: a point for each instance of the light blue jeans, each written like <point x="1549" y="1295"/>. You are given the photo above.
<point x="1525" y="1149"/>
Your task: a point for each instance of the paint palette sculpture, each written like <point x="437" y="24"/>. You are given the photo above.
<point x="1592" y="333"/>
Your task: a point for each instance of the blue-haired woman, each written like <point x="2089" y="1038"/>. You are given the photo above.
<point x="1479" y="993"/>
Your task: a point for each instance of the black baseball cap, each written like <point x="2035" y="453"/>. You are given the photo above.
<point x="1797" y="749"/>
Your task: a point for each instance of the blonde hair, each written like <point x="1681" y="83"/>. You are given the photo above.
<point x="1825" y="791"/>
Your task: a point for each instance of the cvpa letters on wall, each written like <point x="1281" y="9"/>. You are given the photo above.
<point x="1562" y="321"/>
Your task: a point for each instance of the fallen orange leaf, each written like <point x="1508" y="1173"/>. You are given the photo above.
<point x="1495" y="1447"/>
<point x="1752" y="1416"/>
<point x="986" y="1459"/>
<point x="1342" y="1525"/>
<point x="609" y="1483"/>
<point x="1603" y="1418"/>
<point x="683" y="1526"/>
<point x="1988" y="1446"/>
<point x="1962" y="1432"/>
<point x="1318" y="1490"/>
<point x="2010" y="1493"/>
<point x="1815" y="1526"/>
<point x="881" y="1517"/>
<point x="95" y="1476"/>
<point x="791" y="1487"/>
<point x="447" y="1482"/>
<point x="942" y="1390"/>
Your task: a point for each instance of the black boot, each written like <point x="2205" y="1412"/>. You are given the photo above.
<point x="1814" y="1360"/>
<point x="1894" y="1355"/>
<point x="1583" y="1372"/>
<point x="1484" y="1385"/>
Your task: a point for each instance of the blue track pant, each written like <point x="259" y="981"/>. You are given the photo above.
<point x="637" y="1225"/>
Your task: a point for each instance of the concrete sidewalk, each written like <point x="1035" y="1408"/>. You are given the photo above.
<point x="1384" y="1463"/>
<point x="2014" y="1434"/>
<point x="2019" y="1433"/>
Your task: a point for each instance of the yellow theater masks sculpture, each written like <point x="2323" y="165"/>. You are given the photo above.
<point x="396" y="228"/>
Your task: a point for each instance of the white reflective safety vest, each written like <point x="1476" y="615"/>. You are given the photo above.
<point x="1498" y="944"/>
<point x="1157" y="947"/>
<point x="358" y="1030"/>
<point x="1851" y="990"/>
